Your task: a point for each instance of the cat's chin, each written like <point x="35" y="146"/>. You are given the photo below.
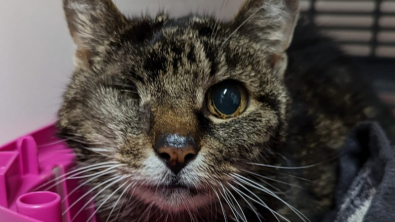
<point x="175" y="199"/>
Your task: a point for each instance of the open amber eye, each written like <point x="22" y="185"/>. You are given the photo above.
<point x="227" y="99"/>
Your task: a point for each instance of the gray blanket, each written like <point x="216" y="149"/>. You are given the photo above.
<point x="366" y="186"/>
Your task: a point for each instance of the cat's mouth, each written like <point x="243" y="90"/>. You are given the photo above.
<point x="175" y="197"/>
<point x="170" y="189"/>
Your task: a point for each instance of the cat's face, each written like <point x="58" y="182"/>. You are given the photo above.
<point x="179" y="107"/>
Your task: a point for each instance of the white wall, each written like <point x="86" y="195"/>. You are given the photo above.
<point x="36" y="55"/>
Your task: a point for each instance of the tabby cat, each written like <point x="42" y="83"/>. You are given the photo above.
<point x="192" y="119"/>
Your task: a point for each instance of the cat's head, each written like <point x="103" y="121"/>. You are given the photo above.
<point x="176" y="109"/>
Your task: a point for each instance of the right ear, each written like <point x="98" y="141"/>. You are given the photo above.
<point x="271" y="22"/>
<point x="92" y="23"/>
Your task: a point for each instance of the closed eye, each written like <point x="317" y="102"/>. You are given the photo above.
<point x="129" y="90"/>
<point x="125" y="88"/>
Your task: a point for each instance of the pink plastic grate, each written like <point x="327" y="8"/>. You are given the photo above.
<point x="33" y="187"/>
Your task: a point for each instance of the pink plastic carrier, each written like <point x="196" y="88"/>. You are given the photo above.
<point x="33" y="185"/>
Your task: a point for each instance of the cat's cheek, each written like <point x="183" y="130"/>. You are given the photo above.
<point x="203" y="170"/>
<point x="147" y="169"/>
<point x="212" y="162"/>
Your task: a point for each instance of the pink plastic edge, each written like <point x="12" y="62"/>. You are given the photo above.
<point x="17" y="179"/>
<point x="41" y="208"/>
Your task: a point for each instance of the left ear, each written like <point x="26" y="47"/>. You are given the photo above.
<point x="271" y="22"/>
<point x="92" y="23"/>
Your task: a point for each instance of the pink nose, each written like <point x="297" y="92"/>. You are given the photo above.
<point x="176" y="151"/>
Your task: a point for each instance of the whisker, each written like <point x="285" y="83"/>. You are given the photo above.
<point x="222" y="207"/>
<point x="241" y="210"/>
<point x="289" y="175"/>
<point x="97" y="186"/>
<point x="245" y="200"/>
<point x="80" y="177"/>
<point x="229" y="204"/>
<point x="108" y="171"/>
<point x="82" y="169"/>
<point x="100" y="150"/>
<point x="268" y="178"/>
<point x="193" y="217"/>
<point x="128" y="203"/>
<point x="105" y="201"/>
<point x="149" y="212"/>
<point x="277" y="190"/>
<point x="286" y="168"/>
<point x="77" y="140"/>
<point x="259" y="201"/>
<point x="75" y="177"/>
<point x="264" y="189"/>
<point x="123" y="192"/>
<point x="97" y="150"/>
<point x="188" y="211"/>
<point x="53" y="143"/>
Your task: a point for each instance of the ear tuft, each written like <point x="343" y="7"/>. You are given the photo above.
<point x="92" y="23"/>
<point x="271" y="22"/>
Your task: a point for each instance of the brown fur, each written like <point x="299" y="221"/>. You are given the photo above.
<point x="138" y="78"/>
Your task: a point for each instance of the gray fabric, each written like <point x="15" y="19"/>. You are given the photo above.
<point x="366" y="187"/>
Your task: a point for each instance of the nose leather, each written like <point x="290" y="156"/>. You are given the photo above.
<point x="177" y="155"/>
<point x="176" y="151"/>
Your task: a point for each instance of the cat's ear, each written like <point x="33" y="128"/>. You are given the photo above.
<point x="271" y="22"/>
<point x="92" y="23"/>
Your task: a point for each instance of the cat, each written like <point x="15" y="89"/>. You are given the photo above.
<point x="192" y="119"/>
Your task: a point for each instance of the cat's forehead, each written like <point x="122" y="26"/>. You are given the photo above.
<point x="179" y="57"/>
<point x="194" y="46"/>
<point x="184" y="57"/>
<point x="178" y="68"/>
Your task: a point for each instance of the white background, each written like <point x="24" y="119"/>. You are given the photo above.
<point x="36" y="55"/>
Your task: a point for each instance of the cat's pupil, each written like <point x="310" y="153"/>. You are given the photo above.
<point x="226" y="98"/>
